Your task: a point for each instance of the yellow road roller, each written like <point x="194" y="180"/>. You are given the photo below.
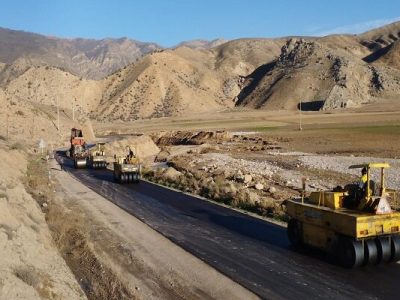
<point x="97" y="157"/>
<point x="127" y="169"/>
<point x="355" y="225"/>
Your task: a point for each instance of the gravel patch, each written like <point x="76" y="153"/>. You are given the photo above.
<point x="341" y="164"/>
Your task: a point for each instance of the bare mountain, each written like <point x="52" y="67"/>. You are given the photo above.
<point x="320" y="77"/>
<point x="183" y="80"/>
<point x="381" y="37"/>
<point x="337" y="71"/>
<point x="30" y="97"/>
<point x="88" y="58"/>
<point x="391" y="57"/>
<point x="201" y="44"/>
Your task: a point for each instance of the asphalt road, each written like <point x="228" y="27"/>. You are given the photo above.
<point x="253" y="252"/>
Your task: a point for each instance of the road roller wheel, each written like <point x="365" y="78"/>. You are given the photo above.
<point x="384" y="249"/>
<point x="350" y="253"/>
<point x="395" y="248"/>
<point x="294" y="232"/>
<point x="370" y="252"/>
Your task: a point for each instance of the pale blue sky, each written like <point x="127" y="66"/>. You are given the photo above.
<point x="169" y="22"/>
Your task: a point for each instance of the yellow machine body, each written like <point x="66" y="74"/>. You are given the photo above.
<point x="127" y="169"/>
<point x="368" y="232"/>
<point x="97" y="158"/>
<point x="320" y="223"/>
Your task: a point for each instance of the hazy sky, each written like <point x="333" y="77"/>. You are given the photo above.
<point x="169" y="22"/>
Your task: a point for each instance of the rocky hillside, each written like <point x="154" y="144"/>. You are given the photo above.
<point x="30" y="96"/>
<point x="328" y="73"/>
<point x="87" y="58"/>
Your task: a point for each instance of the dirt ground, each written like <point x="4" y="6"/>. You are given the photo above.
<point x="276" y="157"/>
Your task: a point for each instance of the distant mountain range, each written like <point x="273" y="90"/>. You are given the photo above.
<point x="93" y="59"/>
<point x="142" y="80"/>
<point x="88" y="58"/>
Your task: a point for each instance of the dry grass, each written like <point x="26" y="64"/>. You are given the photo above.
<point x="40" y="282"/>
<point x="72" y="237"/>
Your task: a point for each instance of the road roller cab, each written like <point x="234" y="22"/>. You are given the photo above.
<point x="355" y="225"/>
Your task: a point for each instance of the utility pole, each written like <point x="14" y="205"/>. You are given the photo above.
<point x="73" y="109"/>
<point x="300" y="125"/>
<point x="33" y="124"/>
<point x="8" y="131"/>
<point x="58" y="118"/>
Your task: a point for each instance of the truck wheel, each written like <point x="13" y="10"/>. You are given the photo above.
<point x="370" y="252"/>
<point x="350" y="253"/>
<point x="294" y="232"/>
<point x="384" y="249"/>
<point x="395" y="248"/>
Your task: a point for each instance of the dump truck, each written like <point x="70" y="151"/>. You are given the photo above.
<point x="127" y="169"/>
<point x="354" y="225"/>
<point x="77" y="150"/>
<point x="97" y="158"/>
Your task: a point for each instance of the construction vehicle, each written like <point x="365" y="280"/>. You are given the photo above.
<point x="97" y="158"/>
<point x="127" y="169"/>
<point x="354" y="225"/>
<point x="77" y="150"/>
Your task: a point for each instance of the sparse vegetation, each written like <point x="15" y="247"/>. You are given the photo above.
<point x="17" y="146"/>
<point x="220" y="190"/>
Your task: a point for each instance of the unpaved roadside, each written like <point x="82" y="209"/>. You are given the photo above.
<point x="140" y="262"/>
